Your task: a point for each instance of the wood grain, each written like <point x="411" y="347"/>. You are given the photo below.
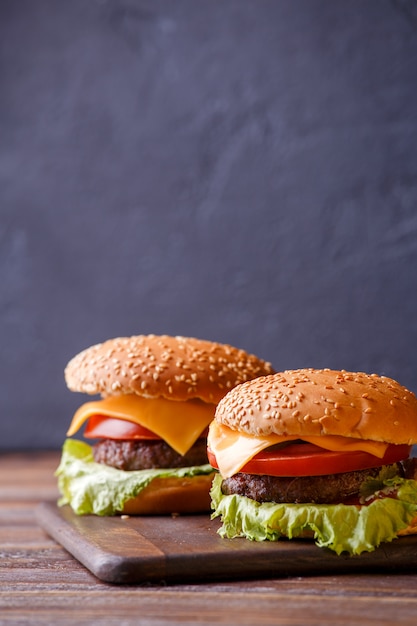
<point x="41" y="583"/>
<point x="188" y="548"/>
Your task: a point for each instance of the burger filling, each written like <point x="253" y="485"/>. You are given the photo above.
<point x="325" y="489"/>
<point x="131" y="454"/>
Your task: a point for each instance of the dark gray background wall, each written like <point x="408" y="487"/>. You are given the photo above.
<point x="236" y="170"/>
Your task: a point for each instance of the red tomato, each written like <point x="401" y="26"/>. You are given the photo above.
<point x="101" y="427"/>
<point x="306" y="459"/>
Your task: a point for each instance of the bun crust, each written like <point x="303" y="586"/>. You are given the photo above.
<point x="411" y="528"/>
<point x="177" y="368"/>
<point x="164" y="496"/>
<point x="313" y="402"/>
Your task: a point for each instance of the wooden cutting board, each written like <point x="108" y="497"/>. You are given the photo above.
<point x="188" y="549"/>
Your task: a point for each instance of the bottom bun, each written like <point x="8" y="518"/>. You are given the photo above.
<point x="411" y="528"/>
<point x="171" y="496"/>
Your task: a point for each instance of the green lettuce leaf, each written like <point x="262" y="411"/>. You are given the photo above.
<point x="384" y="484"/>
<point x="339" y="527"/>
<point x="90" y="487"/>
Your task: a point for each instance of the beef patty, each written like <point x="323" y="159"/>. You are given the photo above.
<point x="139" y="454"/>
<point x="300" y="489"/>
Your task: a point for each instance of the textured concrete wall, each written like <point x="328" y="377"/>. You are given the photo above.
<point x="236" y="170"/>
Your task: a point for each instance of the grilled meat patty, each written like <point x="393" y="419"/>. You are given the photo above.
<point x="137" y="455"/>
<point x="300" y="489"/>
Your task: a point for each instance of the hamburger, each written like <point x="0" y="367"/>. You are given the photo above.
<point x="320" y="454"/>
<point x="146" y="451"/>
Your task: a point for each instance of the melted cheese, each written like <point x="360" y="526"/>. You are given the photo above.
<point x="178" y="423"/>
<point x="233" y="449"/>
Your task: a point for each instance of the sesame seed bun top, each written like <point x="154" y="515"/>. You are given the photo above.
<point x="152" y="366"/>
<point x="313" y="402"/>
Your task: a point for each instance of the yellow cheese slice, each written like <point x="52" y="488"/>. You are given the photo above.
<point x="178" y="423"/>
<point x="233" y="449"/>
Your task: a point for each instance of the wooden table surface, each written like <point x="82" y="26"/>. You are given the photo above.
<point x="40" y="583"/>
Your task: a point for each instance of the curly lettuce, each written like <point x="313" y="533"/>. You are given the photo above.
<point x="339" y="527"/>
<point x="90" y="487"/>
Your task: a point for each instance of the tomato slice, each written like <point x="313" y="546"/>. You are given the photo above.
<point x="101" y="427"/>
<point x="306" y="459"/>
